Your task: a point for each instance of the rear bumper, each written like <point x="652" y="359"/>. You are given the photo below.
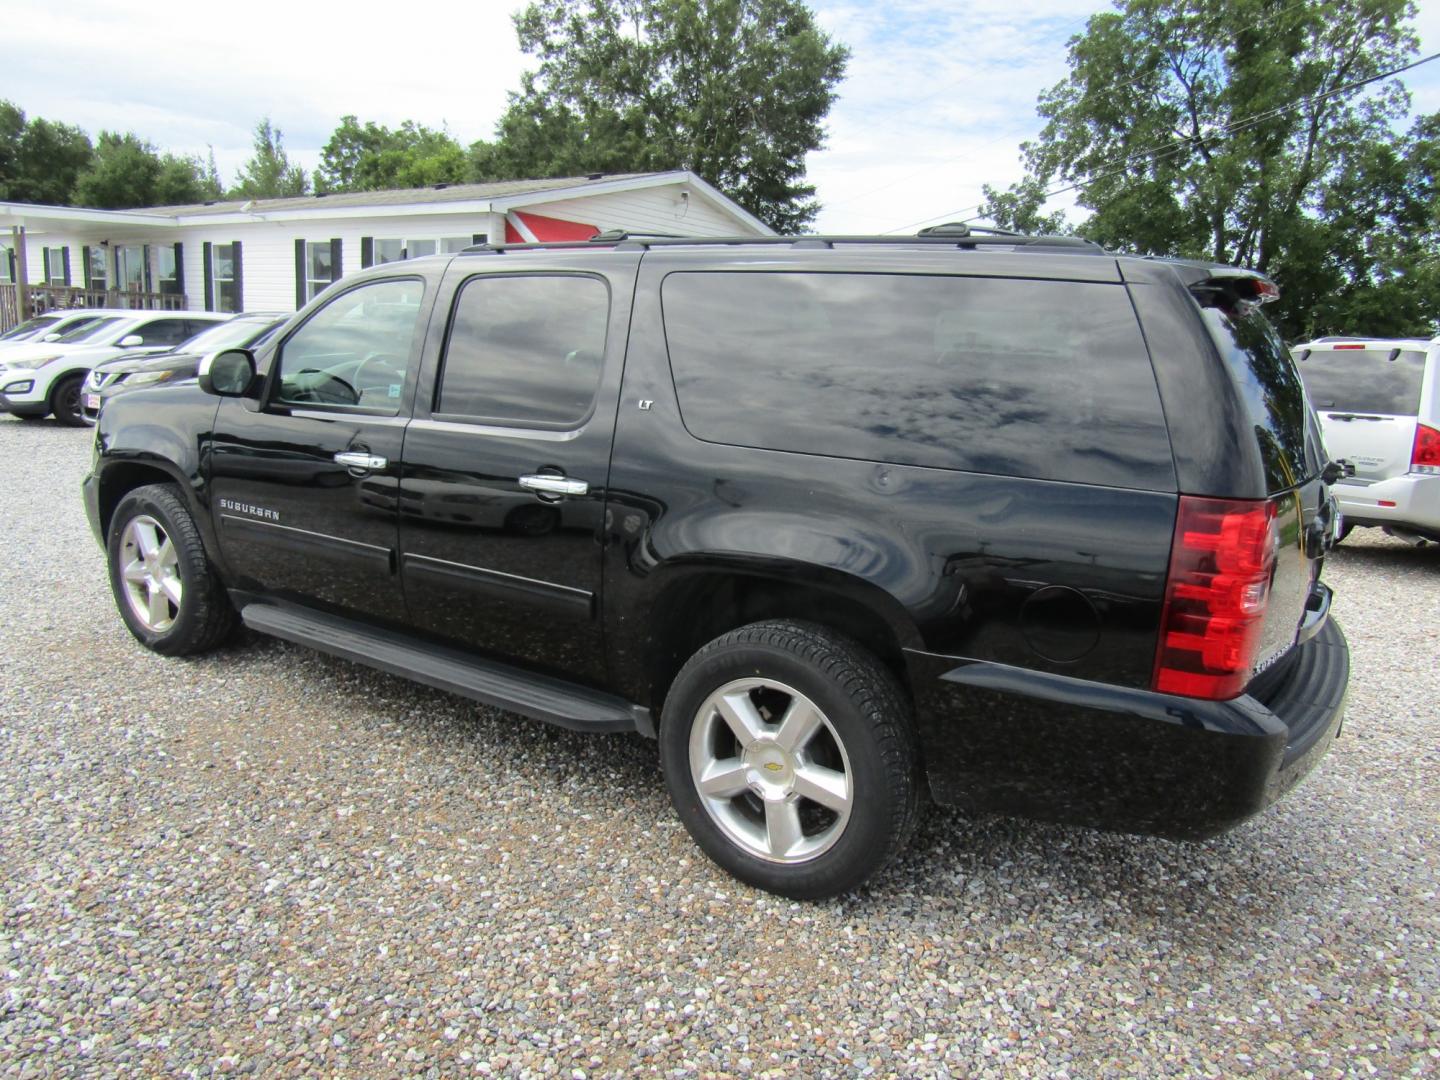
<point x="1416" y="499"/>
<point x="1009" y="740"/>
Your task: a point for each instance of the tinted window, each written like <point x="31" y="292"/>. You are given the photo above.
<point x="92" y="330"/>
<point x="163" y="332"/>
<point x="1028" y="378"/>
<point x="355" y="350"/>
<point x="525" y="350"/>
<point x="1364" y="380"/>
<point x="1272" y="392"/>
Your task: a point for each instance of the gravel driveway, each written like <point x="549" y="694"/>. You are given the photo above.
<point x="270" y="862"/>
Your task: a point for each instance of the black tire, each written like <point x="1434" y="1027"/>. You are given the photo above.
<point x="65" y="401"/>
<point x="867" y="732"/>
<point x="1345" y="531"/>
<point x="204" y="617"/>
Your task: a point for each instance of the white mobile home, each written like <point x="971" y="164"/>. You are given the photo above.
<point x="275" y="254"/>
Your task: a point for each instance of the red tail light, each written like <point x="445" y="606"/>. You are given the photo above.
<point x="1215" y="597"/>
<point x="1426" y="455"/>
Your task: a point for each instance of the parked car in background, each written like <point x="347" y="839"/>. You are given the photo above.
<point x="52" y="324"/>
<point x="132" y="371"/>
<point x="40" y="378"/>
<point x="1378" y="401"/>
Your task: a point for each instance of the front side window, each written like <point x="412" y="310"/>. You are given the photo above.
<point x="355" y="351"/>
<point x="319" y="268"/>
<point x="223" y="274"/>
<point x="525" y="350"/>
<point x="1043" y="379"/>
<point x="164" y="331"/>
<point x="95" y="330"/>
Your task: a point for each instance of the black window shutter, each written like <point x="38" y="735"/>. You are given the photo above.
<point x="209" y="276"/>
<point x="335" y="264"/>
<point x="148" y="281"/>
<point x="239" y="265"/>
<point x="299" y="274"/>
<point x="85" y="262"/>
<point x="180" y="270"/>
<point x="65" y="260"/>
<point x="479" y="238"/>
<point x="367" y="252"/>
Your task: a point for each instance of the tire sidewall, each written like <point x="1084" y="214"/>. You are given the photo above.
<point x="57" y="401"/>
<point x="192" y="569"/>
<point x="853" y="856"/>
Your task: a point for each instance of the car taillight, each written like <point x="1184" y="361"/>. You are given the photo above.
<point x="1221" y="562"/>
<point x="1425" y="457"/>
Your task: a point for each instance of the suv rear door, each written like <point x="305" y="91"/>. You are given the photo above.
<point x="502" y="492"/>
<point x="1367" y="399"/>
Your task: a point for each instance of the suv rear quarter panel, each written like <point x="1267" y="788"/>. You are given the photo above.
<point x="1052" y="576"/>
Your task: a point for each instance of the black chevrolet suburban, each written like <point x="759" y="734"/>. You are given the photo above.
<point x="1012" y="521"/>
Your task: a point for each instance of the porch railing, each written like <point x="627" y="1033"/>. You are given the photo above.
<point x="42" y="298"/>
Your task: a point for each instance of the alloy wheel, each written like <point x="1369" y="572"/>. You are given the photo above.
<point x="150" y="570"/>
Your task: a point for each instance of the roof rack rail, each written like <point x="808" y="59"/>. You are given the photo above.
<point x="621" y="240"/>
<point x="959" y="228"/>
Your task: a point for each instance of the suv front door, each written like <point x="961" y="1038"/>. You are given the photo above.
<point x="502" y="494"/>
<point x="303" y="483"/>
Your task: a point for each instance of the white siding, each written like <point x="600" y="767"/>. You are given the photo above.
<point x="657" y="209"/>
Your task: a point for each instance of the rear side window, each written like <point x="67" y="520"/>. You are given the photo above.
<point x="1041" y="379"/>
<point x="1364" y="380"/>
<point x="525" y="349"/>
<point x="1273" y="395"/>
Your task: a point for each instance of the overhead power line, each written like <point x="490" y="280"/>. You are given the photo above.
<point x="1125" y="162"/>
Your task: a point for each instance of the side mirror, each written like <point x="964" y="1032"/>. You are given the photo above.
<point x="229" y="373"/>
<point x="130" y="341"/>
<point x="51" y="337"/>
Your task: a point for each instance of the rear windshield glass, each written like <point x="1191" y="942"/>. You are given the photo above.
<point x="1364" y="380"/>
<point x="1041" y="379"/>
<point x="1272" y="392"/>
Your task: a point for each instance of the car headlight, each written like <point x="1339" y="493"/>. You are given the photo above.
<point x="144" y="378"/>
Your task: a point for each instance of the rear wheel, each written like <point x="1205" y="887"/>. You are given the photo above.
<point x="166" y="590"/>
<point x="790" y="756"/>
<point x="65" y="401"/>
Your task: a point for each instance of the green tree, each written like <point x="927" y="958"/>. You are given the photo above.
<point x="269" y="173"/>
<point x="372" y="157"/>
<point x="39" y="160"/>
<point x="735" y="90"/>
<point x="1019" y="208"/>
<point x="1226" y="130"/>
<point x="126" y="171"/>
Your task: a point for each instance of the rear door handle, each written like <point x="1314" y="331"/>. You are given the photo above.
<point x="358" y="459"/>
<point x="554" y="485"/>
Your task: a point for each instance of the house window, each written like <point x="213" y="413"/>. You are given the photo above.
<point x="130" y="268"/>
<point x="393" y="250"/>
<point x="169" y="276"/>
<point x="55" y="261"/>
<point x="320" y="269"/>
<point x="7" y="265"/>
<point x="98" y="274"/>
<point x="224" y="274"/>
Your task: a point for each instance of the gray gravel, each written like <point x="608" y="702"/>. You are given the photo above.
<point x="271" y="862"/>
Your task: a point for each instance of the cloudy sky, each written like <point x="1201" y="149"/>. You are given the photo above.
<point x="938" y="97"/>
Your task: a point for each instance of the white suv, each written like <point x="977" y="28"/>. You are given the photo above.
<point x="45" y="377"/>
<point x="1378" y="401"/>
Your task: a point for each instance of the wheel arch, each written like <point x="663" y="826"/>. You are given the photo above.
<point x="119" y="478"/>
<point x="698" y="600"/>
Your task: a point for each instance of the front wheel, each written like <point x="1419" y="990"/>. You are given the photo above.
<point x="65" y="401"/>
<point x="790" y="755"/>
<point x="166" y="590"/>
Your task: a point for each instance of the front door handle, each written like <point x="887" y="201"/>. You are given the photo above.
<point x="554" y="485"/>
<point x="358" y="459"/>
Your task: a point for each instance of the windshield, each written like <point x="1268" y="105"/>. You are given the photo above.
<point x="1385" y="381"/>
<point x="227" y="335"/>
<point x="90" y="331"/>
<point x="30" y="326"/>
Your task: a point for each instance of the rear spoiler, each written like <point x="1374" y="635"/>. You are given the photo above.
<point x="1229" y="285"/>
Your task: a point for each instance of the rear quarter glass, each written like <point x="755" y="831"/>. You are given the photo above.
<point x="1382" y="381"/>
<point x="1270" y="389"/>
<point x="1015" y="377"/>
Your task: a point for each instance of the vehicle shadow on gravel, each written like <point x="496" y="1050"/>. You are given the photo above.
<point x="1389" y="553"/>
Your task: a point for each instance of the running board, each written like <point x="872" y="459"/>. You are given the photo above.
<point x="541" y="697"/>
